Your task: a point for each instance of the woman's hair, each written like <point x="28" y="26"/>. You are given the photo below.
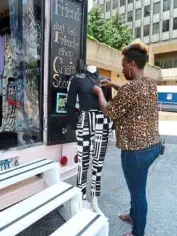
<point x="137" y="52"/>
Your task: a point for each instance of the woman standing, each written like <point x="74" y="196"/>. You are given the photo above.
<point x="135" y="113"/>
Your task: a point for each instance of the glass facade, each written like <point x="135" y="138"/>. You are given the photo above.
<point x="129" y="16"/>
<point x="115" y="4"/>
<point x="122" y="3"/>
<point x="175" y="23"/>
<point x="141" y="13"/>
<point x="166" y="60"/>
<point x="156" y="28"/>
<point x="166" y="25"/>
<point x="138" y="14"/>
<point x="21" y="47"/>
<point x="138" y="32"/>
<point x="156" y="9"/>
<point x="166" y="5"/>
<point x="108" y="6"/>
<point x="146" y="30"/>
<point x="147" y="11"/>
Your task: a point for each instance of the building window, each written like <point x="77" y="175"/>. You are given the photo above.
<point x="156" y="9"/>
<point x="147" y="10"/>
<point x="146" y="30"/>
<point x="98" y="2"/>
<point x="168" y="63"/>
<point x="166" y="25"/>
<point x="108" y="6"/>
<point x="175" y="23"/>
<point x="20" y="74"/>
<point x="130" y="16"/>
<point x="156" y="28"/>
<point x="102" y="8"/>
<point x="175" y="63"/>
<point x="166" y="60"/>
<point x="130" y="1"/>
<point x="138" y="14"/>
<point x="123" y="16"/>
<point x="138" y="32"/>
<point x="175" y="4"/>
<point x="166" y="5"/>
<point x="122" y="3"/>
<point x="115" y="4"/>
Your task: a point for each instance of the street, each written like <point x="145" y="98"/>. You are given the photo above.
<point x="161" y="192"/>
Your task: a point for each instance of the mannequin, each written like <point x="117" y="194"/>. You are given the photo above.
<point x="92" y="130"/>
<point x="91" y="69"/>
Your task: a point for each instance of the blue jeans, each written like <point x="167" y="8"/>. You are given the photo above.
<point x="135" y="165"/>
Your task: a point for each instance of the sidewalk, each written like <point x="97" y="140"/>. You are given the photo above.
<point x="168" y="128"/>
<point x="170" y="116"/>
<point x="161" y="192"/>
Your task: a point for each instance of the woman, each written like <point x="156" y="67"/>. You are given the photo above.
<point x="135" y="113"/>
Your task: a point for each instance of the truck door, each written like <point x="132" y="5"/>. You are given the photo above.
<point x="67" y="56"/>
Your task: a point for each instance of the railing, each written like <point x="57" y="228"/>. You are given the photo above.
<point x="167" y="106"/>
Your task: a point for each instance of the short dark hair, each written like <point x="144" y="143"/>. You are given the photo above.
<point x="136" y="52"/>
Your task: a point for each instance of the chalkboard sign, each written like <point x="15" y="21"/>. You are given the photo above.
<point x="67" y="49"/>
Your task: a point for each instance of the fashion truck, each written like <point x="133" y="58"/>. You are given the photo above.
<point x="43" y="44"/>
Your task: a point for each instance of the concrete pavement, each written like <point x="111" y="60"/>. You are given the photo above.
<point x="170" y="116"/>
<point x="168" y="128"/>
<point x="161" y="191"/>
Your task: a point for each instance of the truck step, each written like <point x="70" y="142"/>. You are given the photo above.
<point x="85" y="223"/>
<point x="20" y="216"/>
<point x="25" y="171"/>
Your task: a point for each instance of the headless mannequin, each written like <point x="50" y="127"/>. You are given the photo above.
<point x="94" y="201"/>
<point x="92" y="69"/>
<point x="99" y="126"/>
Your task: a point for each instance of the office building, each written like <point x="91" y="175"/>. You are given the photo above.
<point x="152" y="21"/>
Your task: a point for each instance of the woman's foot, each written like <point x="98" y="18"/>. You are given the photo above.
<point x="126" y="217"/>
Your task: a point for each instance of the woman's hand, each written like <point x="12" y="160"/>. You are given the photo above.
<point x="97" y="90"/>
<point x="108" y="83"/>
<point x="105" y="83"/>
<point x="101" y="98"/>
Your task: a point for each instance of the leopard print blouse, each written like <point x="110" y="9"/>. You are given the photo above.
<point x="135" y="112"/>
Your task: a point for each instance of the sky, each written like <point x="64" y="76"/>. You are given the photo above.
<point x="90" y="4"/>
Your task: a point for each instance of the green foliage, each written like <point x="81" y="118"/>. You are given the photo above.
<point x="91" y="38"/>
<point x="96" y="24"/>
<point x="113" y="32"/>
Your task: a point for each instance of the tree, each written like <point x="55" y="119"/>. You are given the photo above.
<point x="113" y="32"/>
<point x="96" y="24"/>
<point x="117" y="32"/>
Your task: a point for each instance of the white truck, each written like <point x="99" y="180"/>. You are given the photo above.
<point x="63" y="43"/>
<point x="62" y="27"/>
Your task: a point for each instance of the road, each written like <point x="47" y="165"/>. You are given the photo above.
<point x="161" y="192"/>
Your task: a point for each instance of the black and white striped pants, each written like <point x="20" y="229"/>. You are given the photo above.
<point x="93" y="130"/>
